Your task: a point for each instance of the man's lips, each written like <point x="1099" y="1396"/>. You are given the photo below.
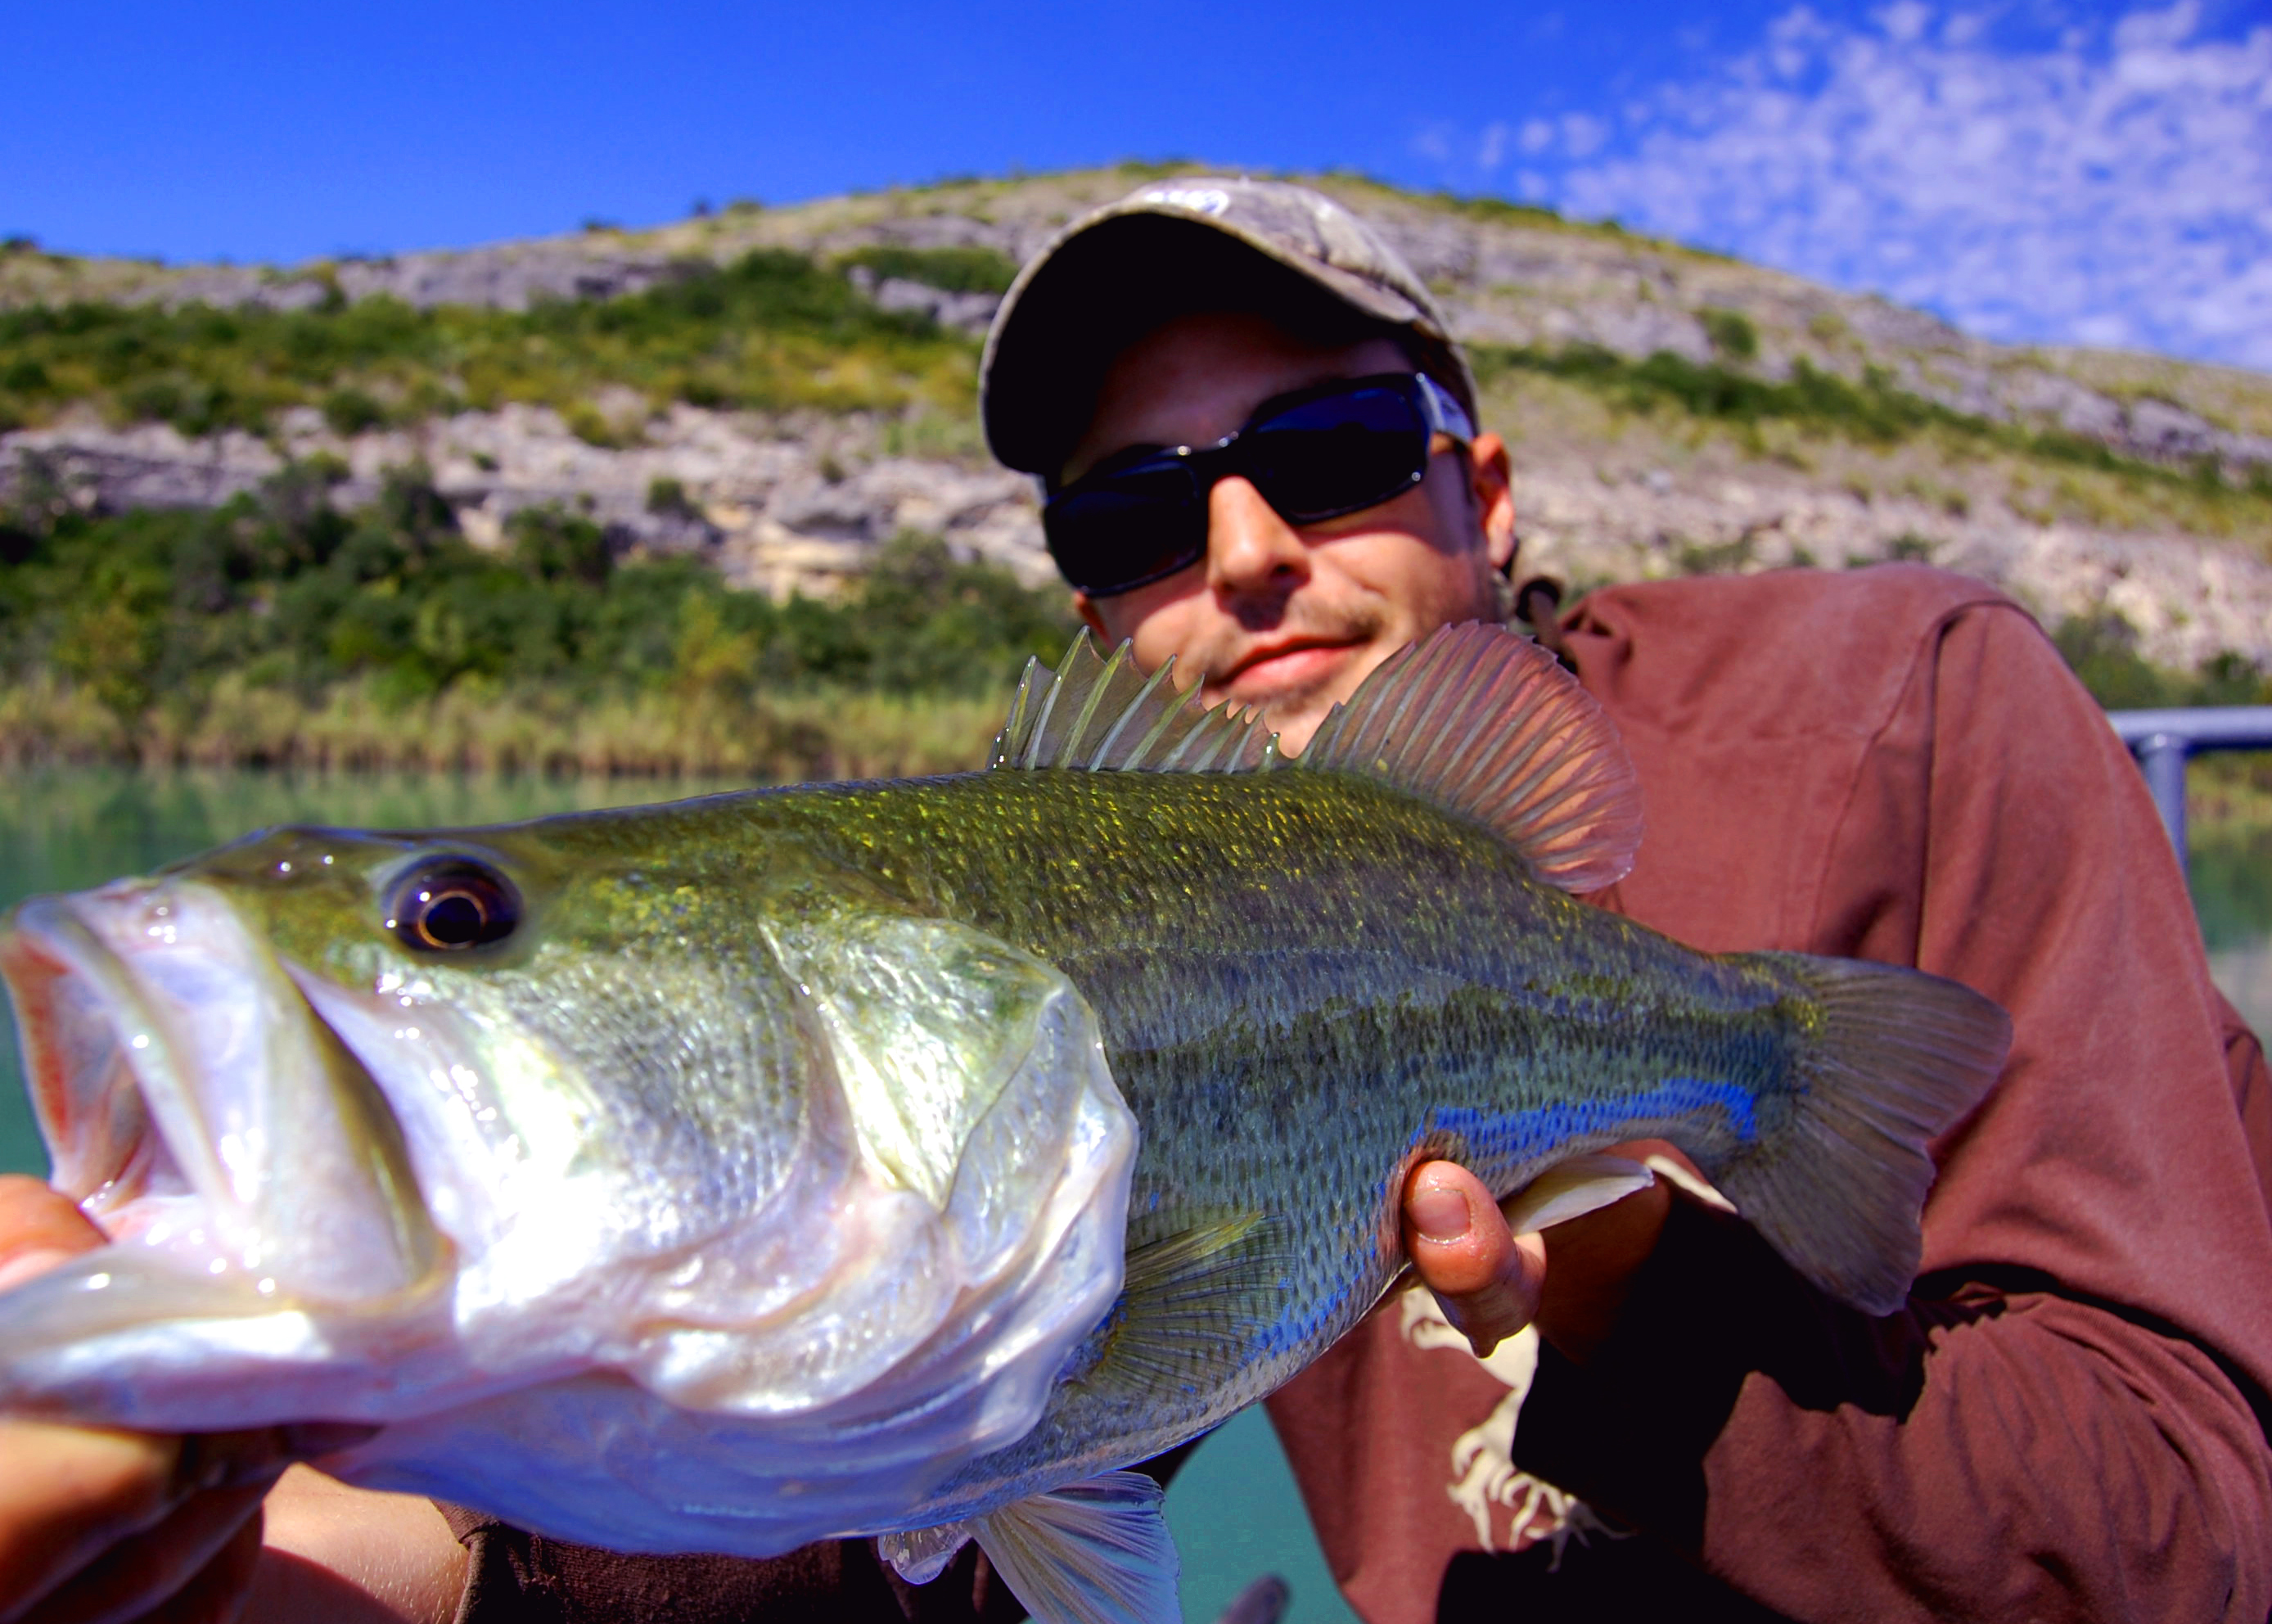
<point x="1275" y="668"/>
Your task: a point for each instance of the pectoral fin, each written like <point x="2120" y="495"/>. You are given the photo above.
<point x="1189" y="1306"/>
<point x="1093" y="1553"/>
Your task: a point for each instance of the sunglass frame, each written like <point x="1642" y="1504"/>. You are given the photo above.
<point x="1438" y="410"/>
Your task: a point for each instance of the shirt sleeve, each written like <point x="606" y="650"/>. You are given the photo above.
<point x="2065" y="1422"/>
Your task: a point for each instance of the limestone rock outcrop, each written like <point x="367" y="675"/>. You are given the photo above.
<point x="804" y="502"/>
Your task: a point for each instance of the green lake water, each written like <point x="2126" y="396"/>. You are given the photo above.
<point x="1234" y="1510"/>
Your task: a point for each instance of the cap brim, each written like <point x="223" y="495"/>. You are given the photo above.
<point x="1119" y="274"/>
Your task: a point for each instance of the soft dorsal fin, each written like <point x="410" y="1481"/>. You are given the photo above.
<point x="1473" y="719"/>
<point x="1486" y="723"/>
<point x="1098" y="715"/>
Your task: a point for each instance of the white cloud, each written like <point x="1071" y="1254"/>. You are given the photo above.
<point x="1491" y="151"/>
<point x="1905" y="21"/>
<point x="2112" y="188"/>
<point x="1583" y="135"/>
<point x="1433" y="141"/>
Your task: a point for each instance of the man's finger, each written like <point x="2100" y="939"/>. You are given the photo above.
<point x="155" y="1567"/>
<point x="39" y="1228"/>
<point x="68" y="1493"/>
<point x="218" y="1594"/>
<point x="1487" y="1278"/>
<point x="73" y="1496"/>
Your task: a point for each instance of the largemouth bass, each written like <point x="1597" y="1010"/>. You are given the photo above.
<point x="907" y="1159"/>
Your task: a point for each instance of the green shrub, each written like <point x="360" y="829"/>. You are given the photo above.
<point x="552" y="545"/>
<point x="153" y="614"/>
<point x="1731" y="334"/>
<point x="668" y="497"/>
<point x="951" y="270"/>
<point x="2102" y="650"/>
<point x="351" y="411"/>
<point x="772" y="330"/>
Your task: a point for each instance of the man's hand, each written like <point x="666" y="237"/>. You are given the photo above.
<point x="97" y="1526"/>
<point x="1492" y="1282"/>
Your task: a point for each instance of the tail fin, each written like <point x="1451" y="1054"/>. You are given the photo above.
<point x="1898" y="1057"/>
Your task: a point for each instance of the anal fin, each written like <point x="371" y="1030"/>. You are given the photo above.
<point x="1093" y="1553"/>
<point x="1583" y="1184"/>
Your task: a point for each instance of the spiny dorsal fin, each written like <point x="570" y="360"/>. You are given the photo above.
<point x="1473" y="719"/>
<point x="1098" y="715"/>
<point x="1483" y="722"/>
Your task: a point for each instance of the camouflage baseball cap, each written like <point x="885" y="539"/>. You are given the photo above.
<point x="1190" y="243"/>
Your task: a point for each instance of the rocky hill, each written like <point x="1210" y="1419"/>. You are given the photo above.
<point x="781" y="391"/>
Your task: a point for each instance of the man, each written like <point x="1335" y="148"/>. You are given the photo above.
<point x="2065" y="1422"/>
<point x="1892" y="764"/>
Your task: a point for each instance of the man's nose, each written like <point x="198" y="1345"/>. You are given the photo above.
<point x="1250" y="548"/>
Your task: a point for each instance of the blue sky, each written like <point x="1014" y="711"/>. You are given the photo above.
<point x="2035" y="169"/>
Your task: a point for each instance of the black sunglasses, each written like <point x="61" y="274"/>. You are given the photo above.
<point x="1316" y="454"/>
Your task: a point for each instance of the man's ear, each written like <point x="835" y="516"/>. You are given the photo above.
<point x="1490" y="482"/>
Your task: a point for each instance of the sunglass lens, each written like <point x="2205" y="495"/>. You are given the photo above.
<point x="1338" y="455"/>
<point x="1128" y="528"/>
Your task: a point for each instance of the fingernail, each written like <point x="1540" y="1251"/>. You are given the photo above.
<point x="1439" y="1214"/>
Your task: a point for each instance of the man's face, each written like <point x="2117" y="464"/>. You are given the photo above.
<point x="1290" y="619"/>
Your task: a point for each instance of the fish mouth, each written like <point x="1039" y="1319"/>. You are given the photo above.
<point x="195" y="1106"/>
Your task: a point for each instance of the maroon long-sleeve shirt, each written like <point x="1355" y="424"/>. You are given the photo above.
<point x="2067" y="1421"/>
<point x="2065" y="1424"/>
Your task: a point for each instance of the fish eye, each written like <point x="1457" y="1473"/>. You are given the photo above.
<point x="454" y="904"/>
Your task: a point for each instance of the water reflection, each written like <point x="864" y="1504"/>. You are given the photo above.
<point x="2232" y="873"/>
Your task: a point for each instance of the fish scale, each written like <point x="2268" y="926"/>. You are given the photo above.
<point x="1291" y="1035"/>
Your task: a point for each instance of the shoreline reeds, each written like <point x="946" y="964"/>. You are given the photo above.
<point x="785" y="738"/>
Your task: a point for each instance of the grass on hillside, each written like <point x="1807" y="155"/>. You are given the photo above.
<point x="770" y="331"/>
<point x="777" y="329"/>
<point x="2049" y="473"/>
<point x="280" y="629"/>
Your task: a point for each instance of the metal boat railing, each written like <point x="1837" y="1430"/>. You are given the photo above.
<point x="2165" y="740"/>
